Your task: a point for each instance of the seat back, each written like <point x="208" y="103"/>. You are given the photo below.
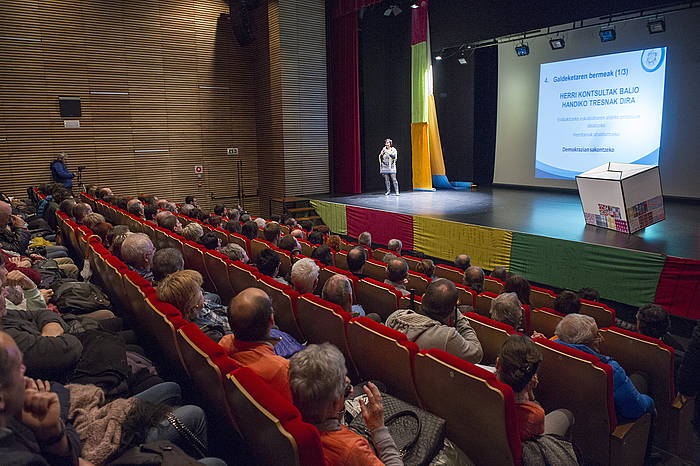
<point x="483" y="303"/>
<point x="375" y="269"/>
<point x="467" y="296"/>
<point x="418" y="282"/>
<point x="284" y="302"/>
<point x="194" y="259"/>
<point x="221" y="234"/>
<point x="285" y="262"/>
<point x="112" y="275"/>
<point x="542" y="297"/>
<point x="340" y="259"/>
<point x="412" y="262"/>
<point x="242" y="276"/>
<point x="405" y="302"/>
<point x="136" y="289"/>
<point x="494" y="285"/>
<point x="451" y="273"/>
<point x="327" y="272"/>
<point x="347" y="246"/>
<point x="382" y="353"/>
<point x="256" y="247"/>
<point x="379" y="253"/>
<point x="217" y="266"/>
<point x="240" y="240"/>
<point x="377" y="297"/>
<point x="545" y="320"/>
<point x="270" y="425"/>
<point x="160" y="324"/>
<point x="604" y="316"/>
<point x="479" y="410"/>
<point x="491" y="335"/>
<point x="577" y="381"/>
<point x="306" y="248"/>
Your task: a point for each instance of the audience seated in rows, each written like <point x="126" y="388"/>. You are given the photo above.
<point x="427" y="268"/>
<point x="520" y="286"/>
<point x="171" y="222"/>
<point x="233" y="226"/>
<point x="210" y="241"/>
<point x="567" y="302"/>
<point x="500" y="273"/>
<point x="653" y="321"/>
<point x="316" y="237"/>
<point x="305" y="275"/>
<point x="165" y="262"/>
<point x="474" y="278"/>
<point x="272" y="232"/>
<point x="93" y="219"/>
<point x="439" y="325"/>
<point x="505" y="308"/>
<point x="395" y="245"/>
<point x="580" y="332"/>
<point x="323" y="254"/>
<point x="80" y="211"/>
<point x="137" y="252"/>
<point x="319" y="385"/>
<point x="397" y="274"/>
<point x="298" y="233"/>
<point x="192" y="231"/>
<point x="306" y="225"/>
<point x="589" y="294"/>
<point x="250" y="230"/>
<point x="334" y="242"/>
<point x="517" y="365"/>
<point x="462" y="261"/>
<point x="365" y="239"/>
<point x="268" y="263"/>
<point x="357" y="257"/>
<point x="234" y="252"/>
<point x="338" y="290"/>
<point x="290" y="243"/>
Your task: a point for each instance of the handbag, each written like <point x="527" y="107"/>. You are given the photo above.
<point x="418" y="434"/>
<point x="549" y="450"/>
<point x="197" y="447"/>
<point x="157" y="453"/>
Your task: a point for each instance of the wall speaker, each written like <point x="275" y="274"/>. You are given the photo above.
<point x="69" y="107"/>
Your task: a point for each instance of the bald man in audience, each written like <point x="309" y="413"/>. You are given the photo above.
<point x="397" y="274"/>
<point x="137" y="252"/>
<point x="474" y="278"/>
<point x="357" y="258"/>
<point x="338" y="290"/>
<point x="80" y="211"/>
<point x="251" y="317"/>
<point x="463" y="261"/>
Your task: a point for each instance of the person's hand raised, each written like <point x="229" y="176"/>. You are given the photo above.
<point x="372" y="411"/>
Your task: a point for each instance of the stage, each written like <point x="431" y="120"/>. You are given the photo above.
<point x="553" y="214"/>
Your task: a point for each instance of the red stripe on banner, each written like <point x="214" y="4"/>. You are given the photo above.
<point x="678" y="290"/>
<point x="383" y="225"/>
<point x="419" y="23"/>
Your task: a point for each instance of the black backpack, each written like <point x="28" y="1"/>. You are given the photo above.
<point x="79" y="298"/>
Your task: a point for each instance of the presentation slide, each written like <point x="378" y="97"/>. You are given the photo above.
<point x="599" y="109"/>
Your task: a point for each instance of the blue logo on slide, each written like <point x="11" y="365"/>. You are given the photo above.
<point x="652" y="59"/>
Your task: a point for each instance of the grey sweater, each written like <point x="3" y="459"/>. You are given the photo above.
<point x="428" y="333"/>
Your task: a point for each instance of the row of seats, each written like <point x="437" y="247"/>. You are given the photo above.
<point x="312" y="319"/>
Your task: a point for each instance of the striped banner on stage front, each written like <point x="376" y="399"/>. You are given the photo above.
<point x="333" y="215"/>
<point x="488" y="247"/>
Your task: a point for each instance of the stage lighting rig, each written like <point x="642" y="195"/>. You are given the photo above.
<point x="607" y="34"/>
<point x="656" y="26"/>
<point x="522" y="49"/>
<point x="557" y="43"/>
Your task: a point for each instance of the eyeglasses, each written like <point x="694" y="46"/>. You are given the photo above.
<point x="348" y="390"/>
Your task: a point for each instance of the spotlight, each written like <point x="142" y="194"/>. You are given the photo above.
<point x="657" y="25"/>
<point x="607" y="34"/>
<point x="438" y="56"/>
<point x="415" y="4"/>
<point x="557" y="43"/>
<point x="462" y="60"/>
<point x="522" y="49"/>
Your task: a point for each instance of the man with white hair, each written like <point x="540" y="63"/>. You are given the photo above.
<point x="506" y="309"/>
<point x="234" y="251"/>
<point x="137" y="252"/>
<point x="580" y="332"/>
<point x="305" y="275"/>
<point x="365" y="239"/>
<point x="338" y="290"/>
<point x="260" y="222"/>
<point x="394" y="245"/>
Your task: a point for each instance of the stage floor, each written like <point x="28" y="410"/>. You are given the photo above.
<point x="555" y="214"/>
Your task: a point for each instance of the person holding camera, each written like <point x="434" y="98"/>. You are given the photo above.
<point x="60" y="172"/>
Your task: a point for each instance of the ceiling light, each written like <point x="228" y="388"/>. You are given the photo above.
<point x="557" y="43"/>
<point x="438" y="56"/>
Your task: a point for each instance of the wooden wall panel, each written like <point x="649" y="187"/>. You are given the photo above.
<point x="164" y="57"/>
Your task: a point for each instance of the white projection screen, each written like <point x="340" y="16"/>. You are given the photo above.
<point x="636" y="103"/>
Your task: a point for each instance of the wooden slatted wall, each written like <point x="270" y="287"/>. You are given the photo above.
<point x="163" y="85"/>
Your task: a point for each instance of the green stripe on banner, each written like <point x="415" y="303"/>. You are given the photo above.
<point x="333" y="215"/>
<point x="419" y="71"/>
<point x="622" y="275"/>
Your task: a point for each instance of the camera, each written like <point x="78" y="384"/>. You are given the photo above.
<point x="82" y="167"/>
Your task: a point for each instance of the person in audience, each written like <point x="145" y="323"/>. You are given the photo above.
<point x="580" y="332"/>
<point x="520" y="286"/>
<point x="137" y="209"/>
<point x="462" y="261"/>
<point x="234" y="252"/>
<point x="233" y="226"/>
<point x="357" y="258"/>
<point x="589" y="294"/>
<point x="245" y="217"/>
<point x="567" y="302"/>
<point x="93" y="219"/>
<point x="137" y="252"/>
<point x="260" y="222"/>
<point x="172" y="223"/>
<point x="323" y="254"/>
<point x="149" y="212"/>
<point x="500" y="273"/>
<point x="186" y="210"/>
<point x="191" y="200"/>
<point x="334" y="242"/>
<point x="505" y="308"/>
<point x="192" y="231"/>
<point x="517" y="365"/>
<point x="653" y="321"/>
<point x="474" y="278"/>
<point x="183" y="289"/>
<point x="439" y="325"/>
<point x="338" y="290"/>
<point x="80" y="211"/>
<point x="132" y="201"/>
<point x="291" y="223"/>
<point x="319" y="385"/>
<point x="305" y="275"/>
<point x="290" y="243"/>
<point x="115" y="231"/>
<point x="101" y="229"/>
<point x="397" y="274"/>
<point x="104" y="192"/>
<point x="250" y="230"/>
<point x="209" y="240"/>
<point x="365" y="239"/>
<point x="316" y="237"/>
<point x="689" y="375"/>
<point x="306" y="225"/>
<point x="14" y="235"/>
<point x="30" y="298"/>
<point x="66" y="206"/>
<point x="298" y="233"/>
<point x="220" y="210"/>
<point x="251" y="317"/>
<point x="161" y="215"/>
<point x="394" y="245"/>
<point x="268" y="263"/>
<point x="214" y="221"/>
<point x="60" y="172"/>
<point x="30" y="420"/>
<point x="427" y="268"/>
<point x="165" y="262"/>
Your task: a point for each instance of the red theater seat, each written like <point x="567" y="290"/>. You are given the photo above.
<point x="217" y="266"/>
<point x="378" y="297"/>
<point x="284" y="302"/>
<point x="491" y="335"/>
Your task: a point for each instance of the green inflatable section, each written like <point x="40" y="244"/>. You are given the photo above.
<point x="622" y="275"/>
<point x="333" y="215"/>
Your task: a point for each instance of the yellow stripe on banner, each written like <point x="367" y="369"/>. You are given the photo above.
<point x="437" y="162"/>
<point x="422" y="177"/>
<point x="488" y="247"/>
<point x="333" y="215"/>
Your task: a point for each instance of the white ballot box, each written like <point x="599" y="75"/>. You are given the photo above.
<point x="621" y="196"/>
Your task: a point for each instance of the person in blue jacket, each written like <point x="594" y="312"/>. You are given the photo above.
<point x="60" y="172"/>
<point x="580" y="332"/>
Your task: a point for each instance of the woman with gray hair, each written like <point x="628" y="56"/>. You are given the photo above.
<point x="580" y="332"/>
<point x="505" y="308"/>
<point x="193" y="231"/>
<point x="319" y="385"/>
